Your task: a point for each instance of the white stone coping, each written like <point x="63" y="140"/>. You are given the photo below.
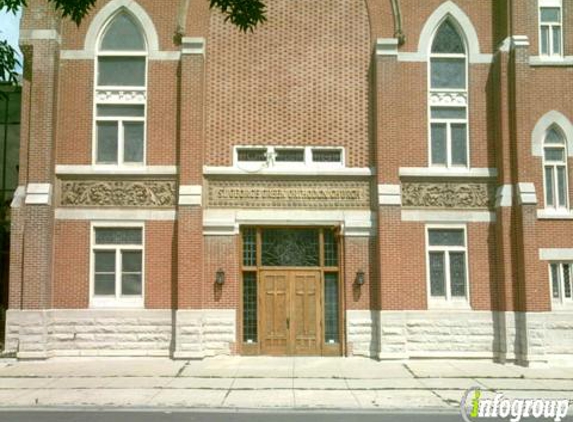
<point x="520" y="41"/>
<point x="274" y="171"/>
<point x="446" y="216"/>
<point x="226" y="222"/>
<point x="190" y="194"/>
<point x="94" y="170"/>
<point x="476" y="172"/>
<point x="387" y="47"/>
<point x="389" y="195"/>
<point x="526" y="194"/>
<point x="553" y="214"/>
<point x="504" y="196"/>
<point x="114" y="214"/>
<point x="38" y="194"/>
<point x="19" y="197"/>
<point x="556" y="254"/>
<point x="551" y="61"/>
<point x="193" y="45"/>
<point x="40" y="34"/>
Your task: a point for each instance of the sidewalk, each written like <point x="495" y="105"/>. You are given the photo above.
<point x="264" y="382"/>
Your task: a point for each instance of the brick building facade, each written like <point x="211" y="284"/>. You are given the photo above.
<point x="355" y="177"/>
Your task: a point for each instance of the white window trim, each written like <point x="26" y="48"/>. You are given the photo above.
<point x="551" y="55"/>
<point x="556" y="208"/>
<point x="466" y="56"/>
<point x="561" y="302"/>
<point x="447" y="302"/>
<point x="143" y="89"/>
<point x="306" y="164"/>
<point x="116" y="302"/>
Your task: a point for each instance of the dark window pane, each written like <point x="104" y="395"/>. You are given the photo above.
<point x="249" y="247"/>
<point x="458" y="274"/>
<point x="545" y="40"/>
<point x="104" y="261"/>
<point x="133" y="142"/>
<point x="119" y="236"/>
<point x="121" y="71"/>
<point x="289" y="155"/>
<point x="439" y="143"/>
<point x="459" y="144"/>
<point x="116" y="110"/>
<point x="448" y="40"/>
<point x="131" y="261"/>
<point x="326" y="155"/>
<point x="290" y="247"/>
<point x="550" y="14"/>
<point x="250" y="307"/>
<point x="549" y="183"/>
<point x="555" y="281"/>
<point x="104" y="285"/>
<point x="437" y="274"/>
<point x="561" y="186"/>
<point x="131" y="284"/>
<point x="123" y="34"/>
<point x="252" y="154"/>
<point x="448" y="112"/>
<point x="107" y="142"/>
<point x="567" y="280"/>
<point x="448" y="73"/>
<point x="330" y="248"/>
<point x="331" y="330"/>
<point x="554" y="137"/>
<point x="446" y="237"/>
<point x="557" y="40"/>
<point x="555" y="154"/>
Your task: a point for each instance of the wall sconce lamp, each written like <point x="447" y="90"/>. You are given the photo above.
<point x="220" y="277"/>
<point x="359" y="278"/>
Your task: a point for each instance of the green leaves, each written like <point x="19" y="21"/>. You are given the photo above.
<point x="244" y="14"/>
<point x="75" y="10"/>
<point x="8" y="63"/>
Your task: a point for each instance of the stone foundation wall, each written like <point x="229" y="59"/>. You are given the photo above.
<point x="523" y="337"/>
<point x="100" y="332"/>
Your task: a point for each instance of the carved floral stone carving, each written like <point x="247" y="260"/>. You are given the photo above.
<point x="124" y="193"/>
<point x="447" y="195"/>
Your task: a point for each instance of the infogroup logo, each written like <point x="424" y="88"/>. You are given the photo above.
<point x="474" y="407"/>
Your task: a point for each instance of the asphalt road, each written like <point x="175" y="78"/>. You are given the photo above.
<point x="230" y="416"/>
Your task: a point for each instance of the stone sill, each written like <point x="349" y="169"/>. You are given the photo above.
<point x="538" y="61"/>
<point x="92" y="170"/>
<point x="316" y="171"/>
<point x="453" y="173"/>
<point x="554" y="215"/>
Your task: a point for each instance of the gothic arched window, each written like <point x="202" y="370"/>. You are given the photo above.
<point x="121" y="79"/>
<point x="448" y="98"/>
<point x="555" y="169"/>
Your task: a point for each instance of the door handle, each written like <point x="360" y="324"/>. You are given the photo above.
<point x="288" y="323"/>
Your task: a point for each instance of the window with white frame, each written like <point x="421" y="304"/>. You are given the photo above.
<point x="550" y="28"/>
<point x="561" y="278"/>
<point x="120" y="97"/>
<point x="448" y="98"/>
<point x="267" y="157"/>
<point x="447" y="264"/>
<point x="117" y="265"/>
<point x="555" y="169"/>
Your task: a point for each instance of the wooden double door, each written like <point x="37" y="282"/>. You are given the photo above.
<point x="291" y="312"/>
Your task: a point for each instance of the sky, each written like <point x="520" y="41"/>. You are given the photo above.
<point x="9" y="29"/>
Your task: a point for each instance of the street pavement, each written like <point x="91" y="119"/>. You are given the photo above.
<point x="266" y="383"/>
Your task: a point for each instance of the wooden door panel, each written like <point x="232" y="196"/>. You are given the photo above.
<point x="305" y="319"/>
<point x="275" y="301"/>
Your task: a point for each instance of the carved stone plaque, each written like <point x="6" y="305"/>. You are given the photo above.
<point x="448" y="195"/>
<point x="288" y="194"/>
<point x="120" y="193"/>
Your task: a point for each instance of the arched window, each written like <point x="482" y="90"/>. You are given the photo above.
<point x="448" y="98"/>
<point x="555" y="169"/>
<point x="121" y="78"/>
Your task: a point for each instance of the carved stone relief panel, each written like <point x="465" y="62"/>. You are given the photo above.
<point x="288" y="194"/>
<point x="448" y="195"/>
<point x="118" y="193"/>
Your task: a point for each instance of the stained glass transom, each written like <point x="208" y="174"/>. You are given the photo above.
<point x="448" y="40"/>
<point x="290" y="248"/>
